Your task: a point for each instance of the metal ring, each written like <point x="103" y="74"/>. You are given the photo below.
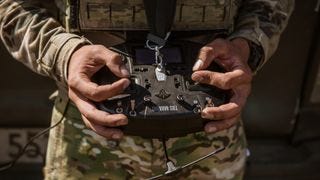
<point x="152" y="48"/>
<point x="197" y="110"/>
<point x="132" y="113"/>
<point x="119" y="110"/>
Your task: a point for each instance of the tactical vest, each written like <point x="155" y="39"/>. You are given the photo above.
<point x="191" y="15"/>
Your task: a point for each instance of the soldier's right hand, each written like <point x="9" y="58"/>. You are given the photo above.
<point x="84" y="63"/>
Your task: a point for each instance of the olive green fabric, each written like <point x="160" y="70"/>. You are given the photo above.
<point x="130" y="15"/>
<point x="37" y="40"/>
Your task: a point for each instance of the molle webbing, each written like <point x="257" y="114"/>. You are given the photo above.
<point x="130" y="15"/>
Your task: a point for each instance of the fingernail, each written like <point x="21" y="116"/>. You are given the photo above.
<point x="126" y="84"/>
<point x="197" y="77"/>
<point x="197" y="65"/>
<point x="211" y="129"/>
<point x="116" y="136"/>
<point x="124" y="71"/>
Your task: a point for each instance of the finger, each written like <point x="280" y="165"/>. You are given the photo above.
<point x="240" y="94"/>
<point x="224" y="111"/>
<point x="96" y="92"/>
<point x="209" y="52"/>
<point x="231" y="109"/>
<point x="215" y="126"/>
<point x="90" y="112"/>
<point x="109" y="133"/>
<point x="115" y="62"/>
<point x="226" y="80"/>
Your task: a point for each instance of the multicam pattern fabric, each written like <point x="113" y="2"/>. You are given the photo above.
<point x="75" y="152"/>
<point x="262" y="22"/>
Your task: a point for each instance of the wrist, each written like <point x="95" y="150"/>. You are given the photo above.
<point x="244" y="48"/>
<point x="72" y="48"/>
<point x="252" y="51"/>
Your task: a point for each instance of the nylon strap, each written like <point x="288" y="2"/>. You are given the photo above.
<point x="160" y="16"/>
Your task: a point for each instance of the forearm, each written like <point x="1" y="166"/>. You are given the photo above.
<point x="36" y="39"/>
<point x="262" y="22"/>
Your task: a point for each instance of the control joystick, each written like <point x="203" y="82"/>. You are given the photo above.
<point x="166" y="107"/>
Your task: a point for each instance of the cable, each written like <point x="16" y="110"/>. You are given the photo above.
<point x="8" y="165"/>
<point x="165" y="149"/>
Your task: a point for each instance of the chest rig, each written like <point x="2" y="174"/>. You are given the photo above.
<point x="162" y="101"/>
<point x="125" y="15"/>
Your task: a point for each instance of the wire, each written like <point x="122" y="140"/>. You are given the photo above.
<point x="165" y="149"/>
<point x="8" y="165"/>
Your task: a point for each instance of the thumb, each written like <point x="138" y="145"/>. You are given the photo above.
<point x="115" y="62"/>
<point x="210" y="52"/>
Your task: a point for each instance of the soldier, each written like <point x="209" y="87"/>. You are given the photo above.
<point x="83" y="146"/>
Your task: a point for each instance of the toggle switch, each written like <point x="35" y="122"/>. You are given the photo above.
<point x="119" y="108"/>
<point x="180" y="98"/>
<point x="197" y="107"/>
<point x="132" y="106"/>
<point x="209" y="102"/>
<point x="147" y="99"/>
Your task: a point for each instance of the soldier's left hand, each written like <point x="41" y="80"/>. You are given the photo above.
<point x="232" y="56"/>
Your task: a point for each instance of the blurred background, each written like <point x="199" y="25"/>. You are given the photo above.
<point x="282" y="117"/>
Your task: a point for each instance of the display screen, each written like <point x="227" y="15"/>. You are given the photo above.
<point x="147" y="56"/>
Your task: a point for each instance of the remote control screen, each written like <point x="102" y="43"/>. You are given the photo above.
<point x="147" y="56"/>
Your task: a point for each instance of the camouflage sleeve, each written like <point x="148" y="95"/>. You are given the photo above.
<point x="262" y="22"/>
<point x="36" y="39"/>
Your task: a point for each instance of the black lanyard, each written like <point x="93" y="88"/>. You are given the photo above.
<point x="160" y="16"/>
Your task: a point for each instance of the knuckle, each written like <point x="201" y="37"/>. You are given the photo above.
<point x="114" y="57"/>
<point x="97" y="99"/>
<point x="85" y="114"/>
<point x="115" y="89"/>
<point x="113" y="122"/>
<point x="90" y="114"/>
<point x="213" y="78"/>
<point x="226" y="83"/>
<point x="96" y="49"/>
<point x="206" y="50"/>
<point x="72" y="80"/>
<point x="218" y="109"/>
<point x="95" y="94"/>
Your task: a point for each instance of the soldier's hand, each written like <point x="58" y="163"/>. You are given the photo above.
<point x="232" y="56"/>
<point x="84" y="63"/>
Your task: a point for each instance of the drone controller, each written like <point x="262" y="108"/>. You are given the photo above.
<point x="163" y="103"/>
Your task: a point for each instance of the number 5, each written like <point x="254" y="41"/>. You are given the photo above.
<point x="13" y="141"/>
